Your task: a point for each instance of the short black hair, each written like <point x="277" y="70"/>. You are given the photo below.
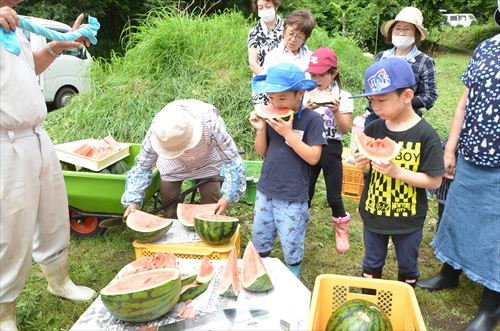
<point x="400" y="91"/>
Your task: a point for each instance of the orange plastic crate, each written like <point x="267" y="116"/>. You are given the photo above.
<point x="396" y="299"/>
<point x="194" y="250"/>
<point x="352" y="182"/>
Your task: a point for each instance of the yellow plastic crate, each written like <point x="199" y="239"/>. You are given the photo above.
<point x="397" y="299"/>
<point x="194" y="250"/>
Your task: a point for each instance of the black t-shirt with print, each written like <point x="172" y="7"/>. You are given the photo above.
<point x="388" y="205"/>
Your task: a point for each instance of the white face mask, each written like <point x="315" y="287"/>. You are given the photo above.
<point x="267" y="15"/>
<point x="403" y="42"/>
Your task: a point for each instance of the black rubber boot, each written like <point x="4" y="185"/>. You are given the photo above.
<point x="375" y="274"/>
<point x="488" y="316"/>
<point x="446" y="278"/>
<point x="404" y="278"/>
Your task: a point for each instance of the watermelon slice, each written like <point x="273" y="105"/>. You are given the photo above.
<point x="270" y="112"/>
<point x="191" y="291"/>
<point x="377" y="149"/>
<point x="146" y="227"/>
<point x="206" y="272"/>
<point x="186" y="212"/>
<point x="322" y="97"/>
<point x="228" y="286"/>
<point x="254" y="276"/>
<point x="188" y="279"/>
<point x="144" y="263"/>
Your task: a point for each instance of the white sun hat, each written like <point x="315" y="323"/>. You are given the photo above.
<point x="175" y="129"/>
<point x="410" y="15"/>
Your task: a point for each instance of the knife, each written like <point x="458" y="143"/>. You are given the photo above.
<point x="221" y="317"/>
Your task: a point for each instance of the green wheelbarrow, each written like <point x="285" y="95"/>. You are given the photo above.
<point x="94" y="196"/>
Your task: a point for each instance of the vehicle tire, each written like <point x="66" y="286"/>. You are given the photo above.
<point x="63" y="96"/>
<point x="85" y="228"/>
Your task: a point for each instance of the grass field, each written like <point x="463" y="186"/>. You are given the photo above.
<point x="94" y="262"/>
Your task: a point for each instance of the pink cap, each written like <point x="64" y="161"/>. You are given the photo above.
<point x="322" y="60"/>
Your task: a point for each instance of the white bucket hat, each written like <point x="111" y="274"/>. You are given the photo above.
<point x="410" y="15"/>
<point x="175" y="129"/>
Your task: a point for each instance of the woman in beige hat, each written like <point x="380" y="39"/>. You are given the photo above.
<point x="404" y="32"/>
<point x="187" y="140"/>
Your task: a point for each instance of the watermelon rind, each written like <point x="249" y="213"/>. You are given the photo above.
<point x="118" y="168"/>
<point x="360" y="315"/>
<point x="150" y="235"/>
<point x="215" y="232"/>
<point x="261" y="283"/>
<point x="188" y="279"/>
<point x="363" y="151"/>
<point x="263" y="115"/>
<point x="200" y="208"/>
<point x="192" y="291"/>
<point x="146" y="304"/>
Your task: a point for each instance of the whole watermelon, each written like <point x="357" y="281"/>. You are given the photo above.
<point x="359" y="315"/>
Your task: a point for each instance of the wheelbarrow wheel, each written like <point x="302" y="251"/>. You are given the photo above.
<point x="87" y="227"/>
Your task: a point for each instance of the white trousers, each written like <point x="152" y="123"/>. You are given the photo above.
<point x="33" y="207"/>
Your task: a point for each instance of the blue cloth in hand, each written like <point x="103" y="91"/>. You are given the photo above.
<point x="9" y="41"/>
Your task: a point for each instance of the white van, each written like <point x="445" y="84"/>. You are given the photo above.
<point x="460" y="19"/>
<point x="68" y="74"/>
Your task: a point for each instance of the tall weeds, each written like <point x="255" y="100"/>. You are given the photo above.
<point x="171" y="56"/>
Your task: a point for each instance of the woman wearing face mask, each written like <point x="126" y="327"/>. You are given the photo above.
<point x="262" y="38"/>
<point x="404" y="32"/>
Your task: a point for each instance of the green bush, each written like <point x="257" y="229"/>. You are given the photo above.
<point x="463" y="39"/>
<point x="173" y="56"/>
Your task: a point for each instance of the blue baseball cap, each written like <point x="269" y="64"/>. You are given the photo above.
<point x="387" y="75"/>
<point x="282" y="77"/>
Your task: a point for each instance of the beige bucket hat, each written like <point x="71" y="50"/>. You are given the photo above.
<point x="175" y="129"/>
<point x="410" y="15"/>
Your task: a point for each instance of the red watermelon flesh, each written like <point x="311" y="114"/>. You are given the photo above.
<point x="228" y="285"/>
<point x="254" y="276"/>
<point x="141" y="281"/>
<point x="144" y="221"/>
<point x="269" y="111"/>
<point x="376" y="149"/>
<point x="206" y="272"/>
<point x="144" y="263"/>
<point x="186" y="212"/>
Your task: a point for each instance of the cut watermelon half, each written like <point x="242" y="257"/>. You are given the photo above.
<point x="186" y="212"/>
<point x="146" y="227"/>
<point x="215" y="229"/>
<point x="254" y="276"/>
<point x="206" y="272"/>
<point x="228" y="286"/>
<point x="270" y="112"/>
<point x="376" y="149"/>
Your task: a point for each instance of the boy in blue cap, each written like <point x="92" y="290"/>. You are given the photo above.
<point x="394" y="200"/>
<point x="289" y="149"/>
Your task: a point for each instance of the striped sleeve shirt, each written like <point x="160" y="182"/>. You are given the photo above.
<point x="216" y="153"/>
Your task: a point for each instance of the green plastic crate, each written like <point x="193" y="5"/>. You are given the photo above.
<point x="101" y="193"/>
<point x="253" y="173"/>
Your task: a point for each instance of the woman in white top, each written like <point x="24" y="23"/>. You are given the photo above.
<point x="297" y="29"/>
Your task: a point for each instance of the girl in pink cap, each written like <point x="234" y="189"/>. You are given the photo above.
<point x="335" y="108"/>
